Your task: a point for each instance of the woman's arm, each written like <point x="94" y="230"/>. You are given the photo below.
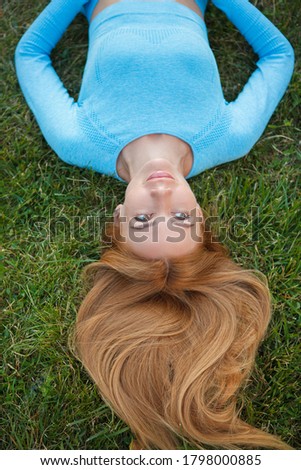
<point x="256" y="103"/>
<point x="44" y="92"/>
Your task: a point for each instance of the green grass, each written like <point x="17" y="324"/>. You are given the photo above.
<point x="49" y="401"/>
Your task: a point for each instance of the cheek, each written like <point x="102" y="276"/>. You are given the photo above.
<point x="185" y="194"/>
<point x="135" y="199"/>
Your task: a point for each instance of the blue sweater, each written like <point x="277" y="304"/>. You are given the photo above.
<point x="149" y="70"/>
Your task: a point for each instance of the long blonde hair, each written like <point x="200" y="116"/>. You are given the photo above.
<point x="169" y="343"/>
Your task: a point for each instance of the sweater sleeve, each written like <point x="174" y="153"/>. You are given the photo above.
<point x="54" y="109"/>
<point x="254" y="106"/>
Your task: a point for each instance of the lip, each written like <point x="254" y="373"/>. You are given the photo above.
<point x="159" y="174"/>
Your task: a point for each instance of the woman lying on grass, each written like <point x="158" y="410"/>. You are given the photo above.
<point x="171" y="326"/>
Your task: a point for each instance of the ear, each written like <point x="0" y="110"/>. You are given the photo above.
<point x="199" y="212"/>
<point x="116" y="214"/>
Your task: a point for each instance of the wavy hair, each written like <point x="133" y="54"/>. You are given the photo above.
<point x="170" y="343"/>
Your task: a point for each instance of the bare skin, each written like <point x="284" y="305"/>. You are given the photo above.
<point x="102" y="4"/>
<point x="160" y="215"/>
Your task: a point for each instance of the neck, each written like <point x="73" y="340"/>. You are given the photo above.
<point x="150" y="147"/>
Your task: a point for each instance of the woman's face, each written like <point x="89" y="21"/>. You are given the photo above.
<point x="160" y="216"/>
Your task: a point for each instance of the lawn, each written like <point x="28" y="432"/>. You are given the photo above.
<point x="53" y="216"/>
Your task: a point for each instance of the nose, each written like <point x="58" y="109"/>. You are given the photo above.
<point x="161" y="196"/>
<point x="160" y="191"/>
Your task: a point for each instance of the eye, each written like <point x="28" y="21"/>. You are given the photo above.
<point x="181" y="216"/>
<point x="142" y="218"/>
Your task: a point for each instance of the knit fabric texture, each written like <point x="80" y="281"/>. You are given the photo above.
<point x="150" y="69"/>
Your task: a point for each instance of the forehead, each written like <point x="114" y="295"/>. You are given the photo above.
<point x="160" y="241"/>
<point x="152" y="250"/>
